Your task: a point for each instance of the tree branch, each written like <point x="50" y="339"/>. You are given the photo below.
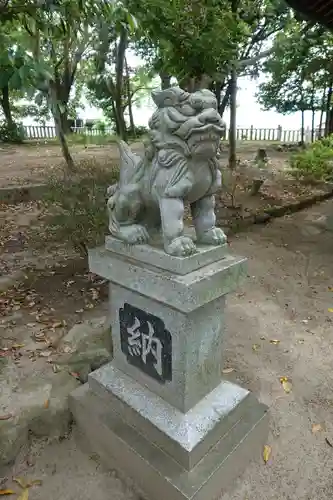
<point x="253" y="60"/>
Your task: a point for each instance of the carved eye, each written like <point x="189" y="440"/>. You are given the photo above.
<point x="213" y="104"/>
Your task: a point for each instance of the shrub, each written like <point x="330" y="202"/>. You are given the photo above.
<point x="76" y="206"/>
<point x="314" y="162"/>
<point x="101" y="127"/>
<point x="12" y="134"/>
<point x="138" y="132"/>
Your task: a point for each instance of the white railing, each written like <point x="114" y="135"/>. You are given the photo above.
<point x="243" y="134"/>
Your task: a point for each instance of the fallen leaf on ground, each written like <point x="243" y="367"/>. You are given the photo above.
<point x="57" y="324"/>
<point x="262" y="338"/>
<point x="329" y="442"/>
<point x="39" y="336"/>
<point x="7" y="492"/>
<point x="24" y="495"/>
<point x="44" y="354"/>
<point x="286" y="384"/>
<point x="17" y="346"/>
<point x="67" y="349"/>
<point x="255" y="347"/>
<point x="75" y="375"/>
<point x="34" y="482"/>
<point x="274" y="341"/>
<point x="30" y="461"/>
<point x="46" y="404"/>
<point x="330" y="309"/>
<point x="21" y="482"/>
<point x="266" y="453"/>
<point x="228" y="370"/>
<point x="316" y="428"/>
<point x="6" y="417"/>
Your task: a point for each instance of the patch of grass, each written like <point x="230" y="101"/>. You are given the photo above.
<point x="76" y="206"/>
<point x="315" y="162"/>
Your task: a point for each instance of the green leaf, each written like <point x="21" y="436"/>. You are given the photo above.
<point x="132" y="22"/>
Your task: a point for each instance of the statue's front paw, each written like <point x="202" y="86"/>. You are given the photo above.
<point x="180" y="247"/>
<point x="214" y="236"/>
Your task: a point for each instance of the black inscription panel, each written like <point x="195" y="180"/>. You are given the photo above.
<point x="146" y="343"/>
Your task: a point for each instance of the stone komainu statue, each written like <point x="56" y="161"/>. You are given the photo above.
<point x="179" y="166"/>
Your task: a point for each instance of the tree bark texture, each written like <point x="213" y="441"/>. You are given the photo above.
<point x="232" y="125"/>
<point x="5" y="104"/>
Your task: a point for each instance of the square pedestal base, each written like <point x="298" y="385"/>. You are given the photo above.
<point x="153" y="463"/>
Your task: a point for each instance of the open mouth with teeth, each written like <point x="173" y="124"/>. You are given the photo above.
<point x="204" y="141"/>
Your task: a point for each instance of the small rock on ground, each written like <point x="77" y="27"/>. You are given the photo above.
<point x="86" y="347"/>
<point x="38" y="404"/>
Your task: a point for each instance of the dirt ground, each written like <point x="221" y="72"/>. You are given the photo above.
<point x="279" y="324"/>
<point x="31" y="163"/>
<point x="235" y="202"/>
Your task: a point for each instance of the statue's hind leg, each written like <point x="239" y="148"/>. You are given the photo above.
<point x="132" y="233"/>
<point x="204" y="221"/>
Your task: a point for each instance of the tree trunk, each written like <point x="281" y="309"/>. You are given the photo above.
<point x="119" y="87"/>
<point x="131" y="117"/>
<point x="129" y="99"/>
<point x="302" y="127"/>
<point x="63" y="142"/>
<point x="121" y="126"/>
<point x="5" y="104"/>
<point x="61" y="89"/>
<point x="217" y="87"/>
<point x="330" y="122"/>
<point x="328" y="109"/>
<point x="115" y="116"/>
<point x="60" y="132"/>
<point x="322" y="114"/>
<point x="194" y="83"/>
<point x="313" y="110"/>
<point x="232" y="125"/>
<point x="222" y="102"/>
<point x="165" y="80"/>
<point x="64" y="121"/>
<point x="225" y="99"/>
<point x="313" y="124"/>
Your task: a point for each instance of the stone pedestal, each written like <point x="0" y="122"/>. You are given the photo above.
<point x="160" y="411"/>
